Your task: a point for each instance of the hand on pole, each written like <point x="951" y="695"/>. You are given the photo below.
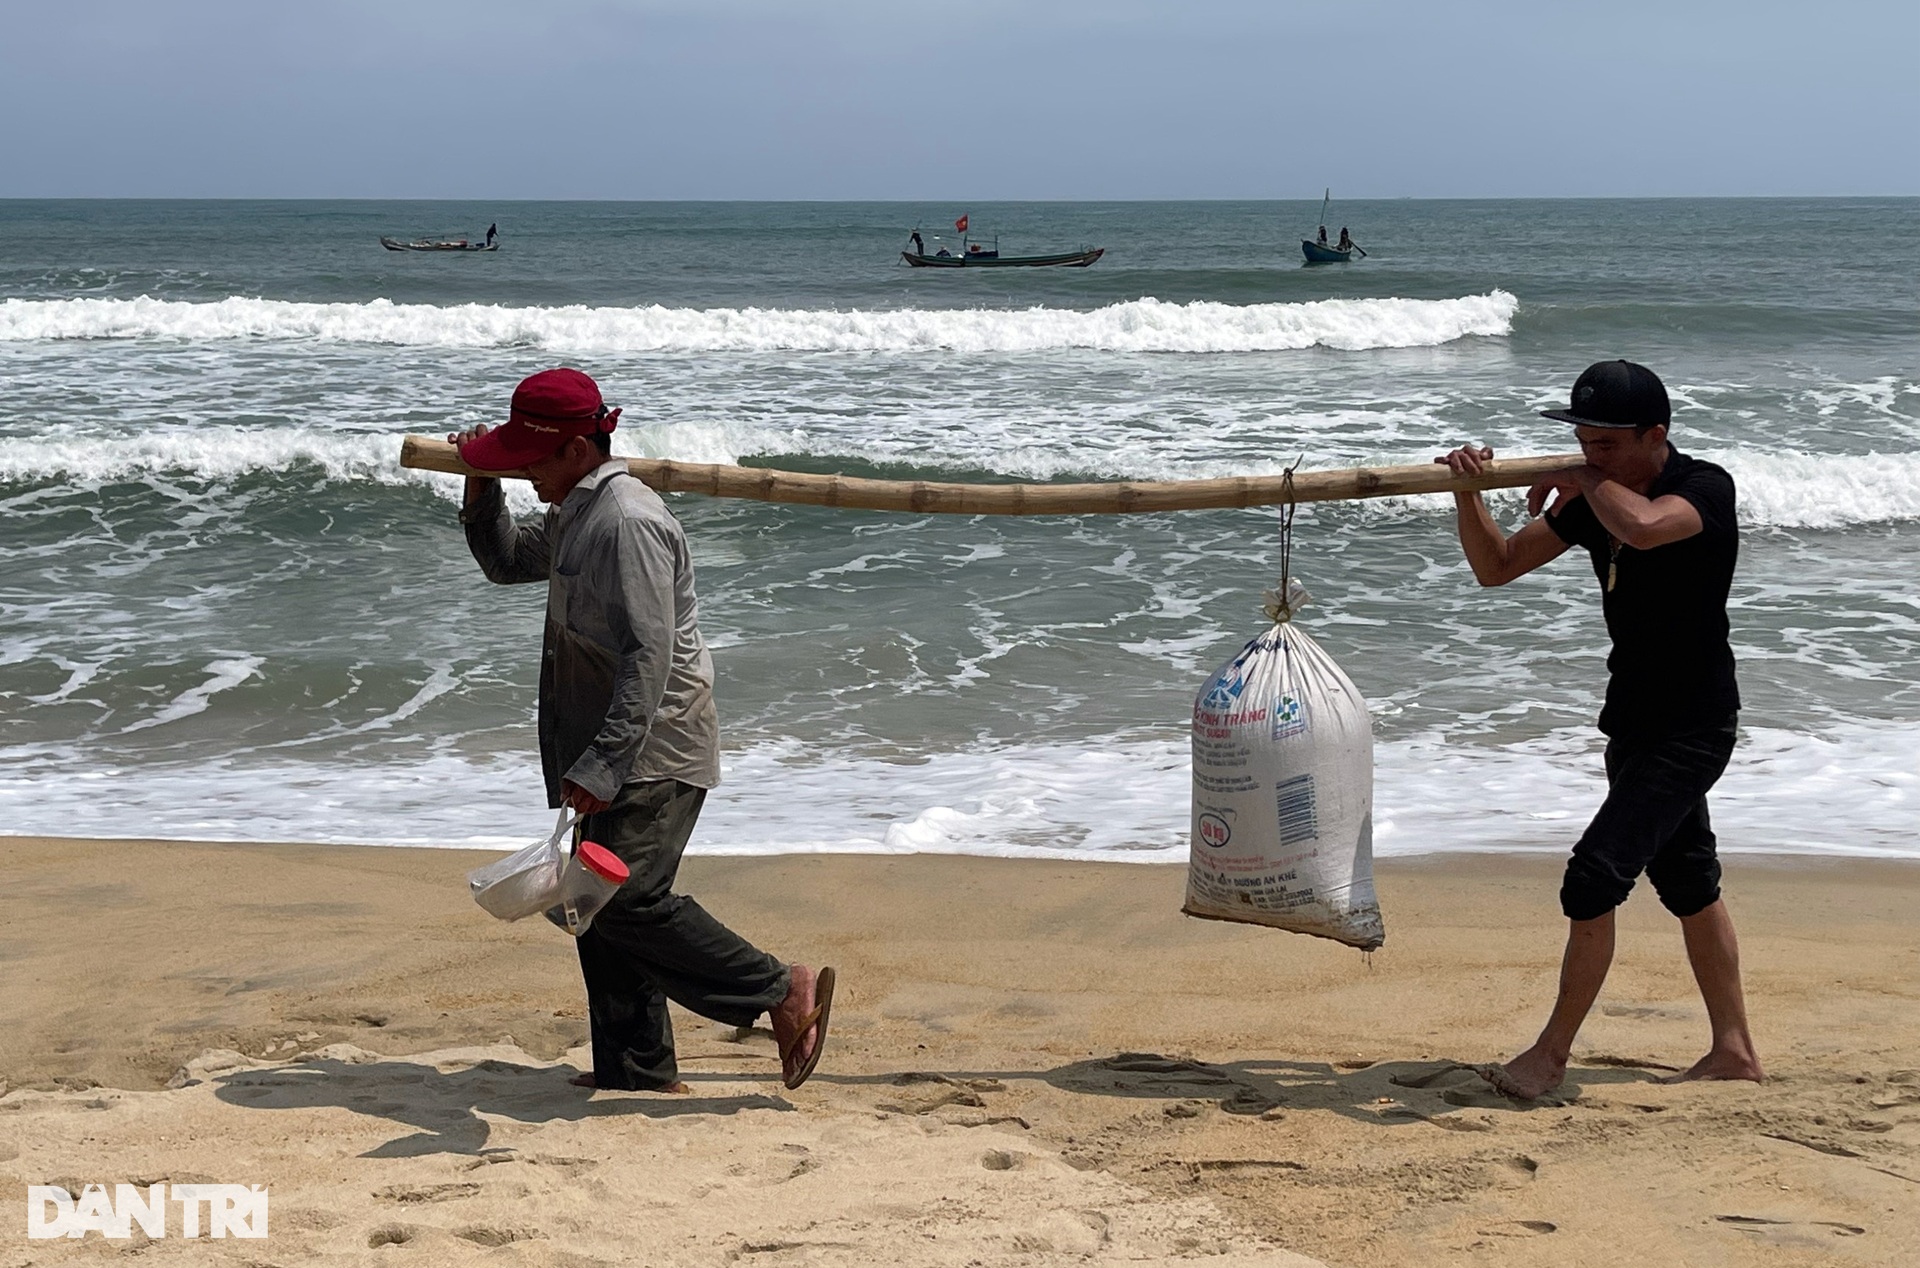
<point x="458" y="439"/>
<point x="1467" y="460"/>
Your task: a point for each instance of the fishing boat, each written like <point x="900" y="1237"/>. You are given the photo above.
<point x="438" y="244"/>
<point x="985" y="259"/>
<point x="978" y="255"/>
<point x="1318" y="252"/>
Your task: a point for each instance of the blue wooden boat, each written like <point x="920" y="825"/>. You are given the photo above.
<point x="1318" y="252"/>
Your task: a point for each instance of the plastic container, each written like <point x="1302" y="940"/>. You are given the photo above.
<point x="588" y="881"/>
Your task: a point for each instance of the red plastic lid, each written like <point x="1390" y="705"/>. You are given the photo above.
<point x="602" y="862"/>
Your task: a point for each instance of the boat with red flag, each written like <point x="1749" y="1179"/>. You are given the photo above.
<point x="976" y="254"/>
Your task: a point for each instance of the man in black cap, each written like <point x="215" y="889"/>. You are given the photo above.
<point x="1659" y="527"/>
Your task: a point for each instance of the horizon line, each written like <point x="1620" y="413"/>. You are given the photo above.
<point x="955" y="201"/>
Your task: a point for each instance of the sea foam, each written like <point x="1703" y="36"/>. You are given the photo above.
<point x="1852" y="790"/>
<point x="1143" y="325"/>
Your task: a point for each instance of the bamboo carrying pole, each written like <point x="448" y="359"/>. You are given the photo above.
<point x="925" y="496"/>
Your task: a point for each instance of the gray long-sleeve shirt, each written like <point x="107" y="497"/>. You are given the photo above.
<point x="626" y="683"/>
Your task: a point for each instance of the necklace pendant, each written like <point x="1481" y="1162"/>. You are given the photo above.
<point x="1613" y="575"/>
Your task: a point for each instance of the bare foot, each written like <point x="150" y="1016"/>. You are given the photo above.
<point x="1532" y="1074"/>
<point x="787" y="1016"/>
<point x="1722" y="1064"/>
<point x="586" y="1080"/>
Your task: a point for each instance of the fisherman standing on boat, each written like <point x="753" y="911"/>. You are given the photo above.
<point x="919" y="247"/>
<point x="493" y="231"/>
<point x="1346" y="243"/>
<point x="1323" y="235"/>
<point x="1659" y="527"/>
<point x="628" y="733"/>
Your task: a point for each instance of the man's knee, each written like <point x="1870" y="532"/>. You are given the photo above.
<point x="1687" y="887"/>
<point x="1591" y="889"/>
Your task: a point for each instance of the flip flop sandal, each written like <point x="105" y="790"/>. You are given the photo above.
<point x="822" y="1006"/>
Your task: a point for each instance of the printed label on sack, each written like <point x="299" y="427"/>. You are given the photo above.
<point x="1213" y="829"/>
<point x="1289" y="717"/>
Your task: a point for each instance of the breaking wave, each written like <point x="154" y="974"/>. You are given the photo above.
<point x="1143" y="325"/>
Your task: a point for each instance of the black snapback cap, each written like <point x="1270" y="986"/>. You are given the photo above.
<point x="1616" y="394"/>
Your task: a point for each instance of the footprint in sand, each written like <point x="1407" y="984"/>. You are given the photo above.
<point x="1430" y="1077"/>
<point x="1486" y="1097"/>
<point x="1644" y="1010"/>
<point x="930" y="1092"/>
<point x="1790" y="1233"/>
<point x="1248" y="1101"/>
<point x="481" y="1236"/>
<point x="1515" y="1171"/>
<point x="1626" y="1063"/>
<point x="1463" y="1085"/>
<point x="414" y="1194"/>
<point x="1172" y="1069"/>
<point x="1447" y="1122"/>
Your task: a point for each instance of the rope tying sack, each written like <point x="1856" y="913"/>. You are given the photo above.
<point x="1288" y="596"/>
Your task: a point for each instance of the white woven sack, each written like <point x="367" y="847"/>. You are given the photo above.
<point x="1283" y="792"/>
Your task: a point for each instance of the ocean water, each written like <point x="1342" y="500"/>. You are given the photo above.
<point x="226" y="612"/>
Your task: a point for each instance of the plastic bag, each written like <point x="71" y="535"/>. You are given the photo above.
<point x="526" y="881"/>
<point x="1283" y="791"/>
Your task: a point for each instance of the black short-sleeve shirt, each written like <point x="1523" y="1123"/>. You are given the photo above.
<point x="1671" y="670"/>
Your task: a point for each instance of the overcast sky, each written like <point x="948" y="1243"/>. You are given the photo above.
<point x="989" y="99"/>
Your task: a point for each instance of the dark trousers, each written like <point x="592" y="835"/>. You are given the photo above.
<point x="1654" y="820"/>
<point x="650" y="945"/>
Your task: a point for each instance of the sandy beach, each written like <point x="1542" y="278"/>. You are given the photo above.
<point x="1031" y="1063"/>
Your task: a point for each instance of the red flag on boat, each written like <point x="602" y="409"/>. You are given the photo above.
<point x="960" y="225"/>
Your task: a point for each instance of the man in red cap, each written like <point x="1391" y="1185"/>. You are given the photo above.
<point x="1661" y="535"/>
<point x="628" y="733"/>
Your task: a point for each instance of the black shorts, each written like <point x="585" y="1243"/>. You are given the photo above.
<point x="1654" y="820"/>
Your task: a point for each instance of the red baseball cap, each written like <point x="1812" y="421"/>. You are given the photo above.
<point x="549" y="409"/>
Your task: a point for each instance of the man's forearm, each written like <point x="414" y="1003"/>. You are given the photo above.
<point x="1480" y="538"/>
<point x="477" y="488"/>
<point x="507" y="553"/>
<point x="1632" y="519"/>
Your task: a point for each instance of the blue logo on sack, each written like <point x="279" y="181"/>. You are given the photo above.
<point x="1223" y="691"/>
<point x="1289" y="717"/>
